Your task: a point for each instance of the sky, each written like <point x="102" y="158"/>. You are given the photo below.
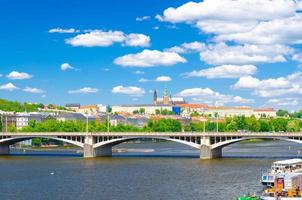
<point x="219" y="52"/>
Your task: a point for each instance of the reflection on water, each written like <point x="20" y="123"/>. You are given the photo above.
<point x="169" y="171"/>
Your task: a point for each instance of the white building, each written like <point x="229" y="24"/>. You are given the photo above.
<point x="149" y="109"/>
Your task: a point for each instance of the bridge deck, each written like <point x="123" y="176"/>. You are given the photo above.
<point x="164" y="134"/>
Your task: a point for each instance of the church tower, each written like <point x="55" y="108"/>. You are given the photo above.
<point x="155" y="97"/>
<point x="166" y="98"/>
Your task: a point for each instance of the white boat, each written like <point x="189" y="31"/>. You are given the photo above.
<point x="283" y="181"/>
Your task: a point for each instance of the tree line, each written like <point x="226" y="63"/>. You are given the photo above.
<point x="229" y="124"/>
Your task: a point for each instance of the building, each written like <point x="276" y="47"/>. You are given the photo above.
<point x="229" y="111"/>
<point x="73" y="106"/>
<point x="167" y="99"/>
<point x="187" y="109"/>
<point x="148" y="109"/>
<point x="89" y="109"/>
<point x="20" y="120"/>
<point x="264" y="112"/>
<point x="8" y="119"/>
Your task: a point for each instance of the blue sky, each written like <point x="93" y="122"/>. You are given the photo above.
<point x="244" y="53"/>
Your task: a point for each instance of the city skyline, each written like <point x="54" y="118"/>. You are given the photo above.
<point x="118" y="52"/>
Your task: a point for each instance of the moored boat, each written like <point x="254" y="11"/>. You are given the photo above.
<point x="283" y="181"/>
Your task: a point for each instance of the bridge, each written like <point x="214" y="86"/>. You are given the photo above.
<point x="210" y="144"/>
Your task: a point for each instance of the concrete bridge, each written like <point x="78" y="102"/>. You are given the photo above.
<point x="100" y="144"/>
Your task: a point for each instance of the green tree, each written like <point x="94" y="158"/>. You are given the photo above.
<point x="108" y="109"/>
<point x="252" y="124"/>
<point x="282" y="113"/>
<point x="142" y="110"/>
<point x="279" y="124"/>
<point x="232" y="126"/>
<point x="293" y="126"/>
<point x="264" y="125"/>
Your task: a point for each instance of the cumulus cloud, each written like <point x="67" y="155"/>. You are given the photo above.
<point x="18" y="75"/>
<point x="163" y="79"/>
<point x="260" y="21"/>
<point x="207" y="95"/>
<point x="136" y="40"/>
<point x="158" y="79"/>
<point x="139" y="72"/>
<point x="99" y="38"/>
<point x="33" y="90"/>
<point x="9" y="87"/>
<point x="277" y="31"/>
<point x="61" y="30"/>
<point x="283" y="102"/>
<point x="150" y="58"/>
<point x="85" y="90"/>
<point x="289" y="85"/>
<point x="188" y="47"/>
<point x="229" y="10"/>
<point x="66" y="66"/>
<point x="224" y="71"/>
<point x="143" y="18"/>
<point x="128" y="90"/>
<point x="221" y="53"/>
<point x="297" y="57"/>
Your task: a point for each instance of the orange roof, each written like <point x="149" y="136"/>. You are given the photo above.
<point x="264" y="110"/>
<point x="229" y="108"/>
<point x="185" y="105"/>
<point x="88" y="106"/>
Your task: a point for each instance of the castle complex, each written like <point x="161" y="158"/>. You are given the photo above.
<point x="167" y="99"/>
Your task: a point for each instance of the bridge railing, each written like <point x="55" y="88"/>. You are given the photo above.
<point x="244" y="134"/>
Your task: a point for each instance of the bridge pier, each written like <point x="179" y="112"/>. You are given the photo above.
<point x="4" y="149"/>
<point x="207" y="153"/>
<point x="90" y="152"/>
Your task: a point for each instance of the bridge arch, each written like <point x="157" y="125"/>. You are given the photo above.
<point x="13" y="140"/>
<point x="117" y="141"/>
<point x="220" y="145"/>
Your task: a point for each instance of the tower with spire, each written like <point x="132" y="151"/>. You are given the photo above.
<point x="154" y="97"/>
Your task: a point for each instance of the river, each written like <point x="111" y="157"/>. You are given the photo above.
<point x="156" y="171"/>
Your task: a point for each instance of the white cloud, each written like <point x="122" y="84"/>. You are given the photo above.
<point x="207" y="95"/>
<point x="33" y="90"/>
<point x="229" y="10"/>
<point x="138" y="72"/>
<point x="283" y="102"/>
<point x="143" y="80"/>
<point x="61" y="30"/>
<point x="289" y="85"/>
<point x="149" y="58"/>
<point x="244" y="54"/>
<point x="143" y="18"/>
<point x="8" y="86"/>
<point x="163" y="79"/>
<point x="260" y="21"/>
<point x="137" y="40"/>
<point x="155" y="27"/>
<point x="99" y="38"/>
<point x="130" y="90"/>
<point x="297" y="57"/>
<point x="85" y="90"/>
<point x="277" y="31"/>
<point x="158" y="79"/>
<point x="1" y="75"/>
<point x="188" y="47"/>
<point x="66" y="66"/>
<point x="18" y="75"/>
<point x="224" y="71"/>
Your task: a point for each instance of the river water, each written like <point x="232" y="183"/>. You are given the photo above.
<point x="149" y="171"/>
